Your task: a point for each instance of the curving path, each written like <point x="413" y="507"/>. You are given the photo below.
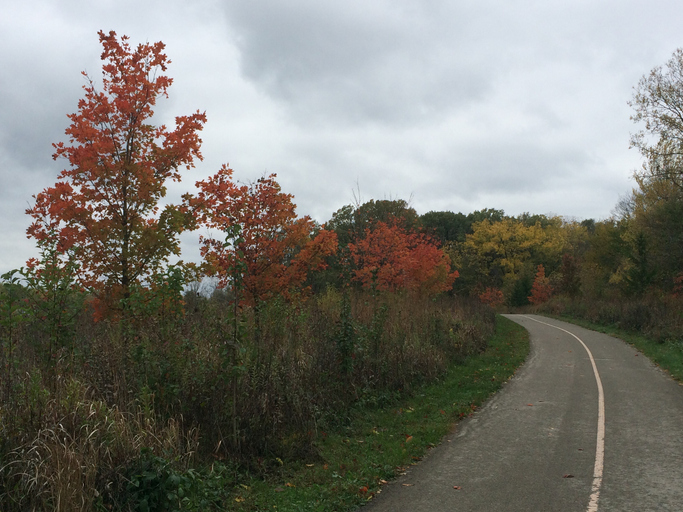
<point x="551" y="440"/>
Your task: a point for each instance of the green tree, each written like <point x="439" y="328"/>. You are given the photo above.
<point x="655" y="220"/>
<point x="388" y="210"/>
<point x="490" y="214"/>
<point x="54" y="297"/>
<point x="529" y="220"/>
<point x="570" y="280"/>
<point x="639" y="273"/>
<point x="12" y="314"/>
<point x="446" y="226"/>
<point x="607" y="249"/>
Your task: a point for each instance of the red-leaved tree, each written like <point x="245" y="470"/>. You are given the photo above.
<point x="106" y="202"/>
<point x="391" y="258"/>
<point x="541" y="289"/>
<point x="678" y="285"/>
<point x="271" y="249"/>
<point x="492" y="297"/>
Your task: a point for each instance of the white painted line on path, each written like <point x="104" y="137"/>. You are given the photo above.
<point x="600" y="445"/>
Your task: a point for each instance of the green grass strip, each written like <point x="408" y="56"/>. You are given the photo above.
<point x="667" y="355"/>
<point x="380" y="443"/>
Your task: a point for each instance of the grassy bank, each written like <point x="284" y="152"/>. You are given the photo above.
<point x="665" y="353"/>
<point x="352" y="463"/>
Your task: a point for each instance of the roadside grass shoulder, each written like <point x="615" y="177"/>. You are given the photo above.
<point x="354" y="462"/>
<point x="668" y="355"/>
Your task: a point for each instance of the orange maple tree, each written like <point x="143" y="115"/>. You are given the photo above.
<point x="492" y="297"/>
<point x="272" y="250"/>
<point x="678" y="285"/>
<point x="391" y="258"/>
<point x="107" y="201"/>
<point x="541" y="289"/>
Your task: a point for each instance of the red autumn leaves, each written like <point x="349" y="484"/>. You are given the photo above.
<point x="106" y="204"/>
<point x="106" y="208"/>
<point x="391" y="258"/>
<point x="275" y="249"/>
<point x="541" y="290"/>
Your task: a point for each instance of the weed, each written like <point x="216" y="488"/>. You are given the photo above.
<point x="91" y="425"/>
<point x="378" y="444"/>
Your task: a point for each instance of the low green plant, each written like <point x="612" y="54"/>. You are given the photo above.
<point x="54" y="299"/>
<point x="13" y="313"/>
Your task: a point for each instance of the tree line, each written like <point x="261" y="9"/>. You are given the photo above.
<point x="103" y="222"/>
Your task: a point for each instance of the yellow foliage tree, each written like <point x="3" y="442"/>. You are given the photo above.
<point x="500" y="251"/>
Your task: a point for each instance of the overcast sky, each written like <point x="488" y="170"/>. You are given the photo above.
<point x="456" y="105"/>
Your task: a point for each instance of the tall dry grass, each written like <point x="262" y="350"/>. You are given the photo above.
<point x="656" y="315"/>
<point x="79" y="422"/>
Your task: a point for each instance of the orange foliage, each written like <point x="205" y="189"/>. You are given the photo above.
<point x="541" y="289"/>
<point x="492" y="297"/>
<point x="107" y="202"/>
<point x="678" y="285"/>
<point x="390" y="258"/>
<point x="275" y="249"/>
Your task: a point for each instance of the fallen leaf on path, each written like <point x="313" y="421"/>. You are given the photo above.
<point x="568" y="476"/>
<point x="383" y="481"/>
<point x="530" y="405"/>
<point x="457" y="487"/>
<point x="407" y="485"/>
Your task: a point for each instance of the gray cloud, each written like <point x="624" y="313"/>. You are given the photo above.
<point x="356" y="62"/>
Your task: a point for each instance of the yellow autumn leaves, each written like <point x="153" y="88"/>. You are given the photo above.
<point x="499" y="252"/>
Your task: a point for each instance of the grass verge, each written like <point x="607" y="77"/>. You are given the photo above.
<point x="378" y="444"/>
<point x="668" y="355"/>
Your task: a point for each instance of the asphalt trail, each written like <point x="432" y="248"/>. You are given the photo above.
<point x="536" y="445"/>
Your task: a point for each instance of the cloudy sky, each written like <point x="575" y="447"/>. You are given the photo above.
<point x="452" y="104"/>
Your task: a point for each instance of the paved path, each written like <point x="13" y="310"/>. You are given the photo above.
<point x="534" y="446"/>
